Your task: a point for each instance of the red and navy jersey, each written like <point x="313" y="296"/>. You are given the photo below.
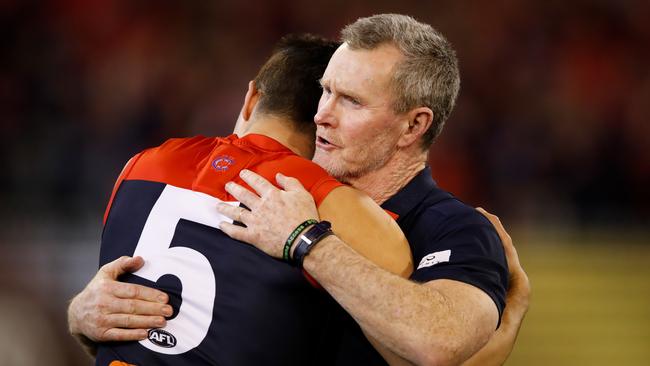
<point x="233" y="304"/>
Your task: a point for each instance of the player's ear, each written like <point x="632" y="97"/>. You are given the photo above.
<point x="250" y="101"/>
<point x="418" y="120"/>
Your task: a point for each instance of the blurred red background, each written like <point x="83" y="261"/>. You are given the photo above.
<point x="550" y="131"/>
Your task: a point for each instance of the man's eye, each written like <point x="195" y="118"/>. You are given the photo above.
<point x="352" y="100"/>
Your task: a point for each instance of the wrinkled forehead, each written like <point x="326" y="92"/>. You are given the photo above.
<point x="361" y="70"/>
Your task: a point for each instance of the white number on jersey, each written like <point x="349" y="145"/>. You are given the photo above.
<point x="192" y="268"/>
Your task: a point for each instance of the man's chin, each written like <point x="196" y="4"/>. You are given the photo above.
<point x="334" y="167"/>
<point x="330" y="167"/>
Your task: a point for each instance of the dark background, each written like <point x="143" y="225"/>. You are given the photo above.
<point x="550" y="132"/>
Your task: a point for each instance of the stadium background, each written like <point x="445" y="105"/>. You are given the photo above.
<point x="550" y="132"/>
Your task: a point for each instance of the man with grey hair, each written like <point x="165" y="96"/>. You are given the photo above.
<point x="387" y="92"/>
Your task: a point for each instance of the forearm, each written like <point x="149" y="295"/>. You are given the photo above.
<point x="437" y="322"/>
<point x="500" y="345"/>
<point x="495" y="352"/>
<point x="344" y="274"/>
<point x="419" y="323"/>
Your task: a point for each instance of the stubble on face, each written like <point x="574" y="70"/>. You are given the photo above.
<point x="357" y="162"/>
<point x="364" y="136"/>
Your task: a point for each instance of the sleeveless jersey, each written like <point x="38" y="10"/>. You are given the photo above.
<point x="233" y="304"/>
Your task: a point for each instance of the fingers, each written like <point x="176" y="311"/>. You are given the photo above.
<point x="242" y="194"/>
<point x="121" y="265"/>
<point x="139" y="307"/>
<point x="117" y="334"/>
<point x="509" y="248"/>
<point x="494" y="219"/>
<point x="257" y="182"/>
<point x="289" y="183"/>
<point x="138" y="292"/>
<point x="132" y="264"/>
<point x="131" y="321"/>
<point x="519" y="291"/>
<point x="505" y="237"/>
<point x="233" y="212"/>
<point x="234" y="231"/>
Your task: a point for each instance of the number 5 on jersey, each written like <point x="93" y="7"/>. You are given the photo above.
<point x="188" y="329"/>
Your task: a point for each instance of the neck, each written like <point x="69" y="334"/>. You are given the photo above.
<point x="283" y="132"/>
<point x="385" y="182"/>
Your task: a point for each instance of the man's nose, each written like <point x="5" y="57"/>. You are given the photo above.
<point x="325" y="114"/>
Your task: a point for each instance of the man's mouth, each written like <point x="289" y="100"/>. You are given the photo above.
<point x="324" y="143"/>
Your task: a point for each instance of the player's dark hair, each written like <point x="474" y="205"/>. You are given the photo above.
<point x="289" y="80"/>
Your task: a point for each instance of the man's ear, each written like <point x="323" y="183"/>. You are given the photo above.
<point x="250" y="100"/>
<point x="418" y="122"/>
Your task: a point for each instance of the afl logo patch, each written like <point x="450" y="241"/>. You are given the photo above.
<point x="222" y="163"/>
<point x="161" y="338"/>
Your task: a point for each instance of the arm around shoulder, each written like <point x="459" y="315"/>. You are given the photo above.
<point x="364" y="226"/>
<point x="497" y="350"/>
<point x="443" y="319"/>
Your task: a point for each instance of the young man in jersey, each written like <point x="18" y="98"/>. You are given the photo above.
<point x="233" y="305"/>
<point x="387" y="92"/>
<point x="103" y="327"/>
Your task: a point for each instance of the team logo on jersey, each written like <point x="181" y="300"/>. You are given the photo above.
<point x="435" y="258"/>
<point x="161" y="338"/>
<point x="223" y="163"/>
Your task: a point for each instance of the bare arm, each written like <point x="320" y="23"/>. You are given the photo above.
<point x="107" y="308"/>
<point x="371" y="232"/>
<point x="440" y="322"/>
<point x="497" y="350"/>
<point x="367" y="229"/>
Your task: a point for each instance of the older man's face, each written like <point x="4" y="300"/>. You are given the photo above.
<point x="357" y="130"/>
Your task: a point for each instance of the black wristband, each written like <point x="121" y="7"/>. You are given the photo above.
<point x="293" y="236"/>
<point x="309" y="239"/>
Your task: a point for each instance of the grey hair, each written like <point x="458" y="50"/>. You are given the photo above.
<point x="427" y="76"/>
